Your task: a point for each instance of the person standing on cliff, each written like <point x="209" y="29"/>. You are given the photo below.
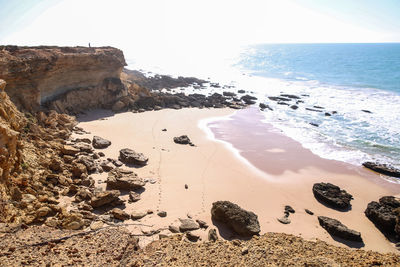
<point x="89" y="45"/>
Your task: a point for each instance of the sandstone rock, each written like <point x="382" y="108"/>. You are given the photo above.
<point x="73" y="221"/>
<point x="136" y="215"/>
<point x="83" y="147"/>
<point x="103" y="198"/>
<point x="64" y="78"/>
<point x="212" y="235"/>
<point x="123" y="179"/>
<point x="99" y="142"/>
<point x="332" y="195"/>
<point x="336" y="228"/>
<point x="106" y="165"/>
<point x="174" y="229"/>
<point x="129" y="156"/>
<point x="384" y="214"/>
<point x="43" y="212"/>
<point x="78" y="169"/>
<point x="88" y="162"/>
<point x="382" y="168"/>
<point x="133" y="196"/>
<point x="96" y="225"/>
<point x="120" y="214"/>
<point x="118" y="106"/>
<point x="188" y="225"/>
<point x="241" y="221"/>
<point x="69" y="150"/>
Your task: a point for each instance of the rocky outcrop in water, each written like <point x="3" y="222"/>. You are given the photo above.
<point x="382" y="168"/>
<point x="66" y="79"/>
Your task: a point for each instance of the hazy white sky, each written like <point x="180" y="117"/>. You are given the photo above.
<point x="177" y="25"/>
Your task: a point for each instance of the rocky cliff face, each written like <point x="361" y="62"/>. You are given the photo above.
<point x="67" y="79"/>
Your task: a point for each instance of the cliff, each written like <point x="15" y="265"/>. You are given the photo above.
<point x="66" y="79"/>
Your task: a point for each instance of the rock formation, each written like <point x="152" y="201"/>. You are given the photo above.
<point x="66" y="79"/>
<point x="336" y="228"/>
<point x="382" y="168"/>
<point x="332" y="195"/>
<point x="243" y="222"/>
<point x="385" y="214"/>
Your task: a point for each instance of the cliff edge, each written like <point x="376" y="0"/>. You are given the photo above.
<point x="66" y="79"/>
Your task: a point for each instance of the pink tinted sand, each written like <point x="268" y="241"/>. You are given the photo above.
<point x="271" y="171"/>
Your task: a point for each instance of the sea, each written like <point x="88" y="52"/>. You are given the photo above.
<point x="356" y="88"/>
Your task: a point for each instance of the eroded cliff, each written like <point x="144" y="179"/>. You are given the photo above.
<point x="66" y="79"/>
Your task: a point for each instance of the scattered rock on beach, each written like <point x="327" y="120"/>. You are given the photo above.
<point x="120" y="214"/>
<point x="385" y="214"/>
<point x="332" y="195"/>
<point x="336" y="228"/>
<point x="285" y="219"/>
<point x="192" y="236"/>
<point x="212" y="235"/>
<point x="133" y="196"/>
<point x="202" y="224"/>
<point x="382" y="168"/>
<point x="309" y="212"/>
<point x="183" y="140"/>
<point x="289" y="209"/>
<point x="173" y="229"/>
<point x="106" y="197"/>
<point x="129" y="156"/>
<point x="162" y="213"/>
<point x="241" y="221"/>
<point x="136" y="215"/>
<point x="186" y="186"/>
<point x="188" y="225"/>
<point x="314" y="124"/>
<point x="100" y="143"/>
<point x="123" y="179"/>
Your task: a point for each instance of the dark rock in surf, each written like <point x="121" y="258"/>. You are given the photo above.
<point x="382" y="168"/>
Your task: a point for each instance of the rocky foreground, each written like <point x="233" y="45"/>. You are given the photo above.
<point x="112" y="246"/>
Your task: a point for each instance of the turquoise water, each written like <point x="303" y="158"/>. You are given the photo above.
<point x="356" y="65"/>
<point x="346" y="78"/>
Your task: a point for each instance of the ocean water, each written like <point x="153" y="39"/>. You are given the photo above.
<point x="341" y="78"/>
<point x="346" y="78"/>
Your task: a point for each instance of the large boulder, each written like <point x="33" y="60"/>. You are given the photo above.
<point x="382" y="168"/>
<point x="241" y="221"/>
<point x="104" y="198"/>
<point x="332" y="195"/>
<point x="99" y="142"/>
<point x="123" y="179"/>
<point x="129" y="156"/>
<point x="385" y="214"/>
<point x="336" y="228"/>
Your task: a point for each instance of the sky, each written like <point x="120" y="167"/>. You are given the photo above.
<point x="141" y="27"/>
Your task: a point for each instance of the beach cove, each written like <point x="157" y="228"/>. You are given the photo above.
<point x="270" y="171"/>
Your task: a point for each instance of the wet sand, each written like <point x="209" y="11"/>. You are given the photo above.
<point x="281" y="172"/>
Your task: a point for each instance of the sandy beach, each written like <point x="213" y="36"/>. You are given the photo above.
<point x="271" y="171"/>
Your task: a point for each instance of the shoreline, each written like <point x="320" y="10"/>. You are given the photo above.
<point x="214" y="173"/>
